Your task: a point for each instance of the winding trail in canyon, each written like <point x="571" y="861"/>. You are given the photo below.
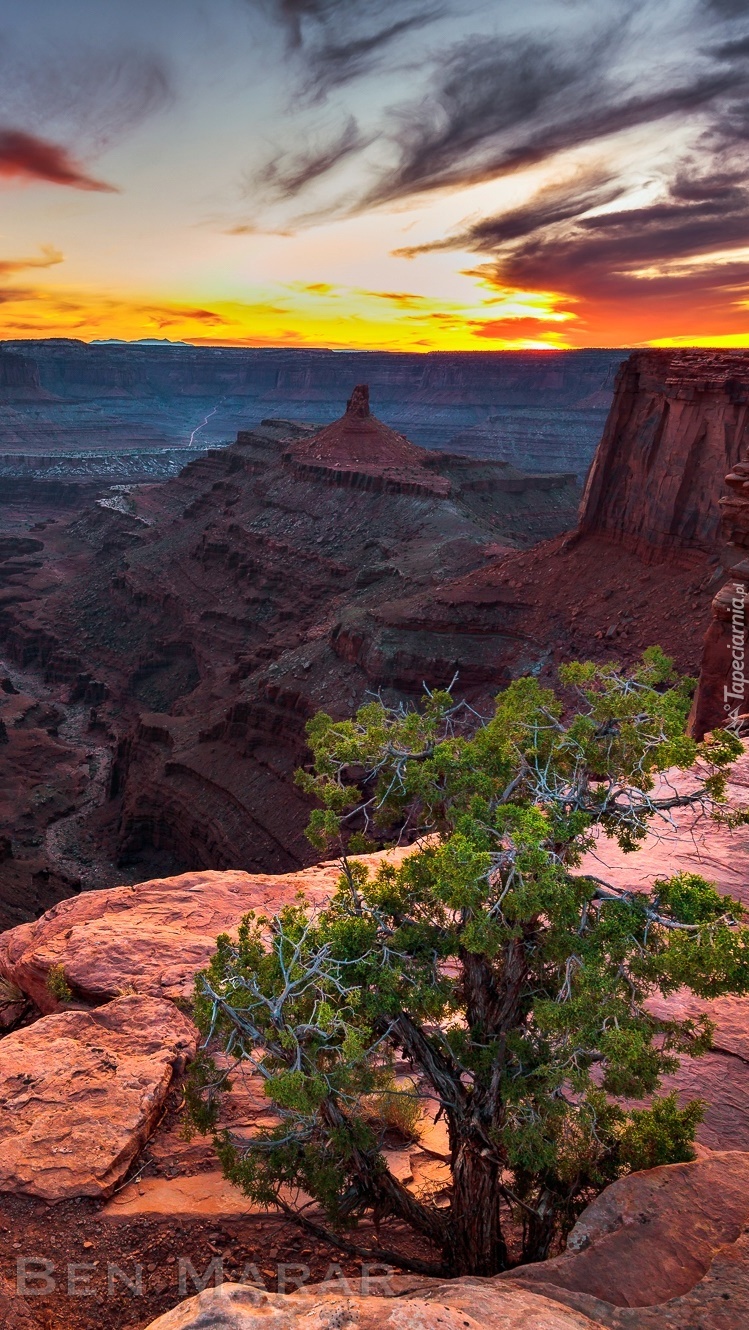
<point x="204" y="422"/>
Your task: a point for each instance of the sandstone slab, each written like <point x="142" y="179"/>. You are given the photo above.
<point x="81" y="1091"/>
<point x="464" y="1304"/>
<point x="722" y="1083"/>
<point x="151" y="938"/>
<point x="694" y="843"/>
<point x="729" y="1016"/>
<point x="685" y="843"/>
<point x="207" y="1194"/>
<point x="721" y="1077"/>
<point x="651" y="1237"/>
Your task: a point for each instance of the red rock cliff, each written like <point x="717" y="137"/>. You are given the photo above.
<point x="677" y="424"/>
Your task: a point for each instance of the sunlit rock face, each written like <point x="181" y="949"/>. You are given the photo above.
<point x="81" y="1092"/>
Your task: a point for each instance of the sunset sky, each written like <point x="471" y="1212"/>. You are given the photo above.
<point x="397" y="174"/>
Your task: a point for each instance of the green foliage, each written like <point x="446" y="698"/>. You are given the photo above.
<point x="662" y="1134"/>
<point x="514" y="984"/>
<point x="57" y="984"/>
<point x="202" y="1095"/>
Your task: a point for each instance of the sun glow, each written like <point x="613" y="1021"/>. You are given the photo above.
<point x="295" y="314"/>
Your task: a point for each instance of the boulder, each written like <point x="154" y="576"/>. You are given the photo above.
<point x="673" y="1235"/>
<point x="150" y="938"/>
<point x="464" y="1304"/>
<point x="81" y="1091"/>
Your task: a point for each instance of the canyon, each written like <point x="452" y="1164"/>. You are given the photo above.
<point x="165" y="643"/>
<point x="113" y="413"/>
<point x="162" y="645"/>
<point x="204" y="620"/>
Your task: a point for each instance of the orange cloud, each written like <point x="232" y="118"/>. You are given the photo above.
<point x="405" y="299"/>
<point x="501" y="329"/>
<point x="47" y="259"/>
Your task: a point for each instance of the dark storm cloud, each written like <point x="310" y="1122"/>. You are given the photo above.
<point x="669" y="244"/>
<point x="286" y="175"/>
<point x="556" y="203"/>
<point x="729" y="8"/>
<point x="293" y="13"/>
<point x="698" y="213"/>
<point x="502" y="100"/>
<point x="333" y="64"/>
<point x="25" y="157"/>
<point x="297" y="15"/>
<point x="484" y="88"/>
<point x="341" y="40"/>
<point x="731" y="50"/>
<point x="497" y="106"/>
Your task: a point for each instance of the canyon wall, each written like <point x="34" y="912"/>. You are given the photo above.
<point x="19" y="377"/>
<point x="207" y="618"/>
<point x="125" y="411"/>
<point x="70" y="368"/>
<point x="677" y="424"/>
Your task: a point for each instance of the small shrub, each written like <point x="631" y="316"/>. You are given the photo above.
<point x="58" y="984"/>
<point x="10" y="993"/>
<point x="396" y="1107"/>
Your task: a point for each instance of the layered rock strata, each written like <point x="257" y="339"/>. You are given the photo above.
<point x="678" y="421"/>
<point x="292" y="571"/>
<point x="300" y="569"/>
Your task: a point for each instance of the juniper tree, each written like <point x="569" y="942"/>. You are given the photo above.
<point x="513" y="983"/>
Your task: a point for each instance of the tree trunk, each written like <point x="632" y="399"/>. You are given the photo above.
<point x="540" y="1229"/>
<point x="475" y="1243"/>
